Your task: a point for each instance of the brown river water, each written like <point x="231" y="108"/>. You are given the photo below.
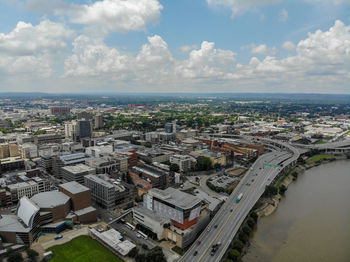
<point x="312" y="221"/>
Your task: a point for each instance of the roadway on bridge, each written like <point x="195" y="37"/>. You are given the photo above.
<point x="228" y="222"/>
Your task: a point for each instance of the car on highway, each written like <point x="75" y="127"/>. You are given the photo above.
<point x="216" y="226"/>
<point x="59" y="237"/>
<point x="195" y="253"/>
<point x="138" y="235"/>
<point x="214" y="248"/>
<point x="209" y="228"/>
<point x="198" y="242"/>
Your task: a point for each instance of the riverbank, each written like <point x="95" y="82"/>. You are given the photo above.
<point x="310" y="220"/>
<point x="268" y="205"/>
<point x="269" y="202"/>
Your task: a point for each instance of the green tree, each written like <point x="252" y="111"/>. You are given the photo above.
<point x="203" y="163"/>
<point x="295" y="174"/>
<point x="246" y="229"/>
<point x="243" y="237"/>
<point x="282" y="189"/>
<point x="133" y="252"/>
<point x="234" y="254"/>
<point x="155" y="255"/>
<point x="32" y="254"/>
<point x="251" y="222"/>
<point x="271" y="190"/>
<point x="148" y="144"/>
<point x="217" y="165"/>
<point x="140" y="258"/>
<point x="254" y="215"/>
<point x="174" y="167"/>
<point x="238" y="244"/>
<point x="15" y="257"/>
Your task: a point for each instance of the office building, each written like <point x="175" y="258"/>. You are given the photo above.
<point x="98" y="121"/>
<point x="60" y="110"/>
<point x="67" y="160"/>
<point x="102" y="192"/>
<point x="181" y="208"/>
<point x="184" y="162"/>
<point x="77" y="172"/>
<point x="78" y="129"/>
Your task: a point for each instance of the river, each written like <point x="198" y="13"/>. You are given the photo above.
<point x="312" y="221"/>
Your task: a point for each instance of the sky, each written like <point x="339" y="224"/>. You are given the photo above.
<point x="195" y="46"/>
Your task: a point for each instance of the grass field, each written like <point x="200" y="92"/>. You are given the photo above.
<point x="317" y="158"/>
<point x="82" y="249"/>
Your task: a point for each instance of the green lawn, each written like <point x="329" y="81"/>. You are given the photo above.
<point x="82" y="249"/>
<point x="318" y="157"/>
<point x="319" y="142"/>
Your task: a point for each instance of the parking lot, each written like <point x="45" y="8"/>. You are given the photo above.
<point x="222" y="180"/>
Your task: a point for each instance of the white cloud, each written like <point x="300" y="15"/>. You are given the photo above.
<point x="30" y="50"/>
<point x="207" y="61"/>
<point x="27" y="39"/>
<point x="289" y="46"/>
<point x="111" y="15"/>
<point x="31" y="66"/>
<point x="320" y="63"/>
<point x="241" y="6"/>
<point x="187" y="48"/>
<point x="93" y="58"/>
<point x="263" y="49"/>
<point x="119" y="15"/>
<point x="260" y="49"/>
<point x="283" y="17"/>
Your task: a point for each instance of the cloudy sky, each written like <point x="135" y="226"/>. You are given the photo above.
<point x="211" y="46"/>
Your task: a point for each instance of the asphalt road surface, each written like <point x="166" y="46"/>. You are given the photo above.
<point x="228" y="220"/>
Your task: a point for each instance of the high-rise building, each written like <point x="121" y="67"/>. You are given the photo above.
<point x="60" y="110"/>
<point x="78" y="129"/>
<point x="98" y="121"/>
<point x="102" y="192"/>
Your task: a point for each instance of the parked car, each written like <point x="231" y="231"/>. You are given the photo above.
<point x="58" y="237"/>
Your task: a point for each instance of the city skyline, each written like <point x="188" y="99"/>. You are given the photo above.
<point x="196" y="46"/>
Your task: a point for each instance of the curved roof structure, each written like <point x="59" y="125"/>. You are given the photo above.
<point x="26" y="211"/>
<point x="50" y="199"/>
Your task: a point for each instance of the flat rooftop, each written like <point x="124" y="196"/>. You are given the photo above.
<point x="77" y="169"/>
<point x="175" y="197"/>
<point x="50" y="199"/>
<point x="100" y="181"/>
<point x="74" y="187"/>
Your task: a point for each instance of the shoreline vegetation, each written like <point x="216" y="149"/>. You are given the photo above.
<point x="269" y="202"/>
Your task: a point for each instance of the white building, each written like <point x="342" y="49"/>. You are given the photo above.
<point x="183" y="161"/>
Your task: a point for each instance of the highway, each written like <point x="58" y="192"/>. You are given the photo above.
<point x="228" y="220"/>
